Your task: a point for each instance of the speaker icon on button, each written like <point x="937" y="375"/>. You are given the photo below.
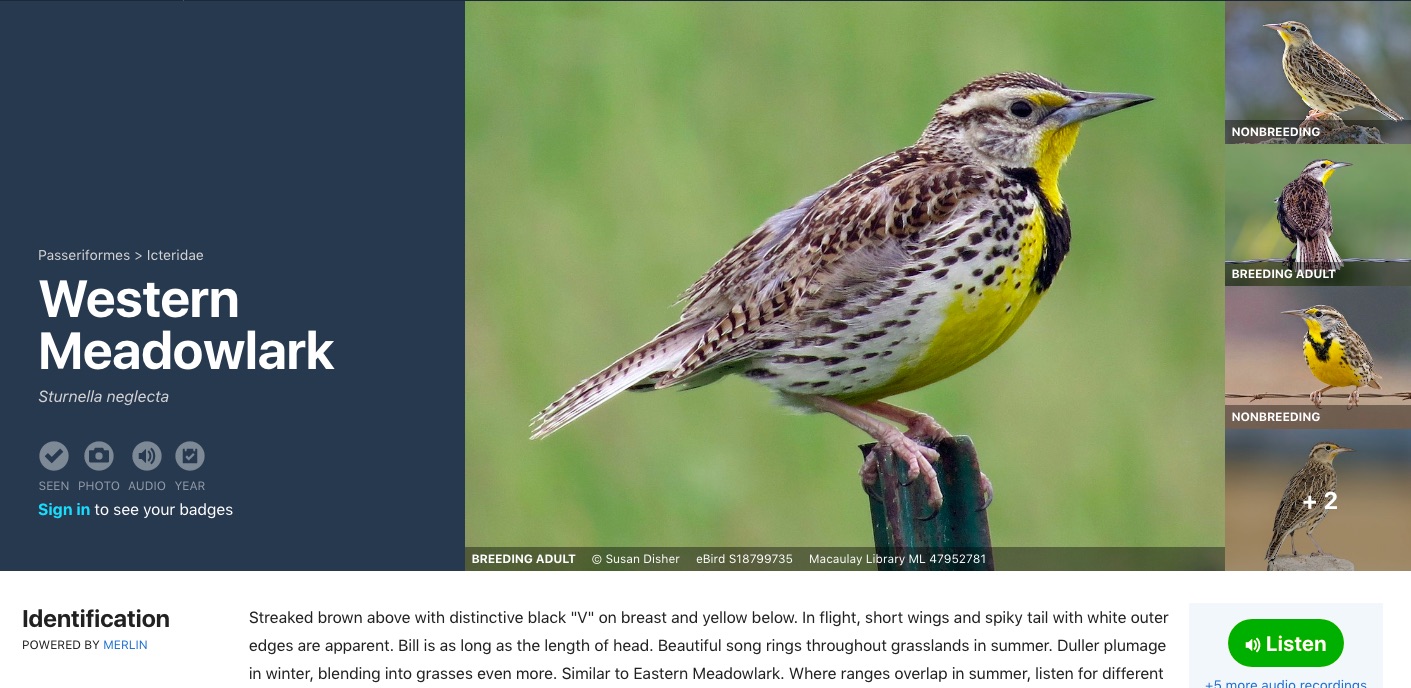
<point x="147" y="456"/>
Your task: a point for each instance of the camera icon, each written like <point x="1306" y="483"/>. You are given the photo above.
<point x="98" y="456"/>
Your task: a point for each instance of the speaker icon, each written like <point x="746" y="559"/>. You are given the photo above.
<point x="1252" y="644"/>
<point x="146" y="456"/>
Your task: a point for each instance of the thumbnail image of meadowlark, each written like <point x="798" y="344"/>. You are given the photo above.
<point x="1335" y="212"/>
<point x="615" y="152"/>
<point x="1306" y="218"/>
<point x="1306" y="501"/>
<point x="1337" y="348"/>
<point x="1334" y="352"/>
<point x="1324" y="84"/>
<point x="1270" y="476"/>
<point x="1294" y="61"/>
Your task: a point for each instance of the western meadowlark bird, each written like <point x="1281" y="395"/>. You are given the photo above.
<point x="1324" y="84"/>
<point x="1334" y="353"/>
<point x="1306" y="218"/>
<point x="906" y="271"/>
<point x="1306" y="499"/>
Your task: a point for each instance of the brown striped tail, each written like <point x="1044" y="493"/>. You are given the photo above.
<point x="1274" y="547"/>
<point x="1381" y="107"/>
<point x="1318" y="253"/>
<point x="662" y="353"/>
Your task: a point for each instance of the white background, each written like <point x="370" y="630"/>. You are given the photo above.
<point x="210" y="632"/>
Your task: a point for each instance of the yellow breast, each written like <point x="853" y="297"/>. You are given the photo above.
<point x="974" y="325"/>
<point x="1335" y="371"/>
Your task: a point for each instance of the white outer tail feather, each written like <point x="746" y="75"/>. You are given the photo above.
<point x="1387" y="111"/>
<point x="1324" y="247"/>
<point x="662" y="353"/>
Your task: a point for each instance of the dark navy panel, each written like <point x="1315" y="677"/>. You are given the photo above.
<point x="313" y="153"/>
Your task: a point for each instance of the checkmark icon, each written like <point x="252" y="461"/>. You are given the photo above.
<point x="53" y="456"/>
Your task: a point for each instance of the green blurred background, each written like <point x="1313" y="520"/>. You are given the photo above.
<point x="1368" y="200"/>
<point x="615" y="151"/>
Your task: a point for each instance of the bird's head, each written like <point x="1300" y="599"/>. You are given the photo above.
<point x="1325" y="452"/>
<point x="1019" y="120"/>
<point x="1294" y="33"/>
<point x="1321" y="170"/>
<point x="1324" y="318"/>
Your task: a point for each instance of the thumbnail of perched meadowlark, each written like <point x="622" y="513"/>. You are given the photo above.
<point x="1324" y="84"/>
<point x="1306" y="218"/>
<point x="1315" y="480"/>
<point x="908" y="270"/>
<point x="1334" y="353"/>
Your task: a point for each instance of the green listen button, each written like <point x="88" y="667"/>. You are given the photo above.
<point x="1286" y="642"/>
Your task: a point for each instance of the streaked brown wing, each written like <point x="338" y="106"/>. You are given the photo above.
<point x="1303" y="210"/>
<point x="837" y="241"/>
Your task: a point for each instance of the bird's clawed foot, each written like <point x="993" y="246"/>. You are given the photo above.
<point x="920" y="463"/>
<point x="919" y="458"/>
<point x="923" y="427"/>
<point x="987" y="492"/>
<point x="1352" y="402"/>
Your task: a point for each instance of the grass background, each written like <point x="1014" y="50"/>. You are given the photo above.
<point x="615" y="151"/>
<point x="1368" y="200"/>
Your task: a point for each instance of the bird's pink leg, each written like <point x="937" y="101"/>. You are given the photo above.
<point x="918" y="425"/>
<point x="1317" y="396"/>
<point x="921" y="426"/>
<point x="919" y="459"/>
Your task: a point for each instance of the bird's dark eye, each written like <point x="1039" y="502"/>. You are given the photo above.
<point x="1317" y="314"/>
<point x="1021" y="108"/>
<point x="1293" y="29"/>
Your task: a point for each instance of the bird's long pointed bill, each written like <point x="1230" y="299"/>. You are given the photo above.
<point x="1297" y="313"/>
<point x="1089" y="105"/>
<point x="1341" y="164"/>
